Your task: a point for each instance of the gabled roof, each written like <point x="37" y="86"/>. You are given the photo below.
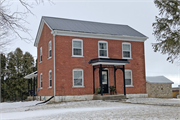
<point x="159" y="80"/>
<point x="90" y="27"/>
<point x="87" y="27"/>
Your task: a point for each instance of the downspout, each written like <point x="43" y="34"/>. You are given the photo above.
<point x="54" y="63"/>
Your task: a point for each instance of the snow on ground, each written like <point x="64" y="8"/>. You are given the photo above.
<point x="88" y="110"/>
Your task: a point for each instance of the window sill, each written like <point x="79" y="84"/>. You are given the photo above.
<point x="129" y="85"/>
<point x="49" y="58"/>
<point x="102" y="57"/>
<point x="41" y="88"/>
<point x="49" y="87"/>
<point x="40" y="62"/>
<point x="78" y="86"/>
<point x="126" y="58"/>
<point x="76" y="56"/>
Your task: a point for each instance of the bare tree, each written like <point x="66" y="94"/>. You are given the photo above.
<point x="12" y="23"/>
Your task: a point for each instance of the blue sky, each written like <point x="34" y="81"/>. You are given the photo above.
<point x="139" y="14"/>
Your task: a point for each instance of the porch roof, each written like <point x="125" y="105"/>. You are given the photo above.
<point x="108" y="61"/>
<point x="32" y="75"/>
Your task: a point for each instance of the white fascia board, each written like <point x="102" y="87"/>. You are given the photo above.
<point x="100" y="36"/>
<point x="106" y="63"/>
<point x="40" y="31"/>
<point x="32" y="75"/>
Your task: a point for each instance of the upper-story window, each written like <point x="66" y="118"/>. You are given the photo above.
<point x="77" y="48"/>
<point x="128" y="78"/>
<point x="50" y="49"/>
<point x="126" y="50"/>
<point x="103" y="49"/>
<point x="50" y="78"/>
<point x="40" y="54"/>
<point x="78" y="78"/>
<point x="41" y="85"/>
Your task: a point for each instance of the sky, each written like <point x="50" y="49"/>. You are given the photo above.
<point x="139" y="14"/>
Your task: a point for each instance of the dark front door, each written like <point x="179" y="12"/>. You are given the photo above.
<point x="105" y="81"/>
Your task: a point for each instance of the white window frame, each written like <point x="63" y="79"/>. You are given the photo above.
<point x="131" y="78"/>
<point x="41" y="80"/>
<point x="50" y="71"/>
<point x="99" y="49"/>
<point x="130" y="50"/>
<point x="49" y="48"/>
<point x="82" y="77"/>
<point x="81" y="48"/>
<point x="40" y="54"/>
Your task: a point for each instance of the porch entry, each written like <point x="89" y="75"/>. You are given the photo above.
<point x="102" y="64"/>
<point x="105" y="81"/>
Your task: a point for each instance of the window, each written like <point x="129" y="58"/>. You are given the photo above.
<point x="78" y="78"/>
<point x="128" y="77"/>
<point x="50" y="49"/>
<point x="41" y="81"/>
<point x="77" y="47"/>
<point x="50" y="78"/>
<point x="40" y="54"/>
<point x="103" y="49"/>
<point x="126" y="48"/>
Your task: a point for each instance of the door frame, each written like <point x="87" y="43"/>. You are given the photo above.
<point x="107" y="70"/>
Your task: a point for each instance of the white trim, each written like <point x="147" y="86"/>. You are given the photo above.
<point x="101" y="36"/>
<point x="130" y="50"/>
<point x="80" y="40"/>
<point x="50" y="71"/>
<point x="38" y="35"/>
<point x="99" y="49"/>
<point x="41" y="79"/>
<point x="106" y="63"/>
<point x="82" y="77"/>
<point x="49" y="48"/>
<point x="40" y="54"/>
<point x="54" y="65"/>
<point x="131" y="78"/>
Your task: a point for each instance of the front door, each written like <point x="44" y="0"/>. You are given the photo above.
<point x="105" y="81"/>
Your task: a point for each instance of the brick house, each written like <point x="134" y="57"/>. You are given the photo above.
<point x="76" y="57"/>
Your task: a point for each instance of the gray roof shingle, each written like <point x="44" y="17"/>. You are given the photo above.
<point x="90" y="27"/>
<point x="159" y="79"/>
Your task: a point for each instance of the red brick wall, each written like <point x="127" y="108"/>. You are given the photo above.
<point x="65" y="64"/>
<point x="46" y="64"/>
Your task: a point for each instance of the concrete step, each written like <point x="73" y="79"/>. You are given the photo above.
<point x="109" y="97"/>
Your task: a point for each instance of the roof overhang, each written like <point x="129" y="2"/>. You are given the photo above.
<point x="100" y="36"/>
<point x="108" y="61"/>
<point x="84" y="34"/>
<point x="32" y="75"/>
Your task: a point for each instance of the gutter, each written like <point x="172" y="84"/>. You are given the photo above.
<point x="54" y="63"/>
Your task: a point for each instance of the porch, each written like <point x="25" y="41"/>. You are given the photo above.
<point x="102" y="64"/>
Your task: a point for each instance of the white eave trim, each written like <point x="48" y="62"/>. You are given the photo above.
<point x="100" y="36"/>
<point x="106" y="63"/>
<point x="41" y="25"/>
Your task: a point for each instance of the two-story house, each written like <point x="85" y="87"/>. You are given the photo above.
<point x="76" y="57"/>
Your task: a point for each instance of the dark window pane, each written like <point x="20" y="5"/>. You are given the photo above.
<point x="103" y="53"/>
<point x="49" y="53"/>
<point x="126" y="54"/>
<point x="128" y="81"/>
<point x="102" y="45"/>
<point x="77" y="82"/>
<point x="50" y="82"/>
<point x="77" y="51"/>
